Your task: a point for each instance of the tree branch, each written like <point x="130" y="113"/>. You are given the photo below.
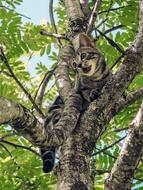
<point x="55" y="35"/>
<point x="2" y="6"/>
<point x="111" y="93"/>
<point x="114" y="28"/>
<point x="5" y="73"/>
<point x="101" y="172"/>
<point x="111" y="42"/>
<point x="108" y="147"/>
<point x="117" y="130"/>
<point x="85" y="8"/>
<point x="53" y="21"/>
<point x="113" y="9"/>
<point x="9" y="153"/>
<point x="108" y="154"/>
<point x="123" y="170"/>
<point x="93" y="16"/>
<point x="95" y="119"/>
<point x="131" y="98"/>
<point x="109" y="8"/>
<point x="117" y="60"/>
<point x="6" y="149"/>
<point x="63" y="81"/>
<point x="106" y="16"/>
<point x="84" y="2"/>
<point x="41" y="89"/>
<point x="19" y="146"/>
<point x="73" y="10"/>
<point x="77" y="22"/>
<point x="22" y="120"/>
<point x="100" y="24"/>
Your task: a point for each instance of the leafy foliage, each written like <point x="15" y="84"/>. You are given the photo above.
<point x="19" y="168"/>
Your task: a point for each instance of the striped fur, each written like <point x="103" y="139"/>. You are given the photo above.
<point x="91" y="68"/>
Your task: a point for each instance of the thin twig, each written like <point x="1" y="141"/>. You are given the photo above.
<point x="108" y="147"/>
<point x="113" y="9"/>
<point x="110" y="5"/>
<point x="58" y="36"/>
<point x="111" y="42"/>
<point x="100" y="172"/>
<point x="8" y="135"/>
<point x="131" y="98"/>
<point x="15" y="11"/>
<point x="5" y="61"/>
<point x="114" y="28"/>
<point x="18" y="146"/>
<point x="6" y="150"/>
<point x="50" y="88"/>
<point x="5" y="73"/>
<point x="9" y="153"/>
<point x="107" y="14"/>
<point x="120" y="129"/>
<point x="106" y="153"/>
<point x="102" y="22"/>
<point x="114" y="157"/>
<point x="117" y="60"/>
<point x="93" y="16"/>
<point x="53" y="21"/>
<point x="41" y="89"/>
<point x="139" y="179"/>
<point x="106" y="17"/>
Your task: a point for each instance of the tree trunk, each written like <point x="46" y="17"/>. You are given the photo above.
<point x="74" y="167"/>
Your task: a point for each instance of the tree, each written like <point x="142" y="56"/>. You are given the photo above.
<point x="89" y="133"/>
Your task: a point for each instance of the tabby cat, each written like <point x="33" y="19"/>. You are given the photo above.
<point x="91" y="68"/>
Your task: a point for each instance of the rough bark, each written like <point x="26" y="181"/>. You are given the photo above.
<point x="94" y="121"/>
<point x="94" y="118"/>
<point x="63" y="81"/>
<point x="22" y="120"/>
<point x="123" y="170"/>
<point x="27" y="125"/>
<point x="74" y="170"/>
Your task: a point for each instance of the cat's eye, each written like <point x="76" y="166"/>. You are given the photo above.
<point x="92" y="54"/>
<point x="83" y="56"/>
<point x="74" y="65"/>
<point x="80" y="65"/>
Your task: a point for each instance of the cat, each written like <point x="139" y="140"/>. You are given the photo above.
<point x="92" y="71"/>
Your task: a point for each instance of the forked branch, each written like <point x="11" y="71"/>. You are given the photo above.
<point x="123" y="170"/>
<point x="25" y="123"/>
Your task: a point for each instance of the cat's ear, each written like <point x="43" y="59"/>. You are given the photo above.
<point x="85" y="41"/>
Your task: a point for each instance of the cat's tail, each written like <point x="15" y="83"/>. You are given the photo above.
<point x="48" y="158"/>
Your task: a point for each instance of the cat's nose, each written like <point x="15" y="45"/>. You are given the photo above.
<point x="80" y="65"/>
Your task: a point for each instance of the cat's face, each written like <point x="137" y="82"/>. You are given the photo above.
<point x="87" y="62"/>
<point x="87" y="58"/>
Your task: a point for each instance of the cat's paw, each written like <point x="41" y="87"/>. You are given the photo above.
<point x="94" y="94"/>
